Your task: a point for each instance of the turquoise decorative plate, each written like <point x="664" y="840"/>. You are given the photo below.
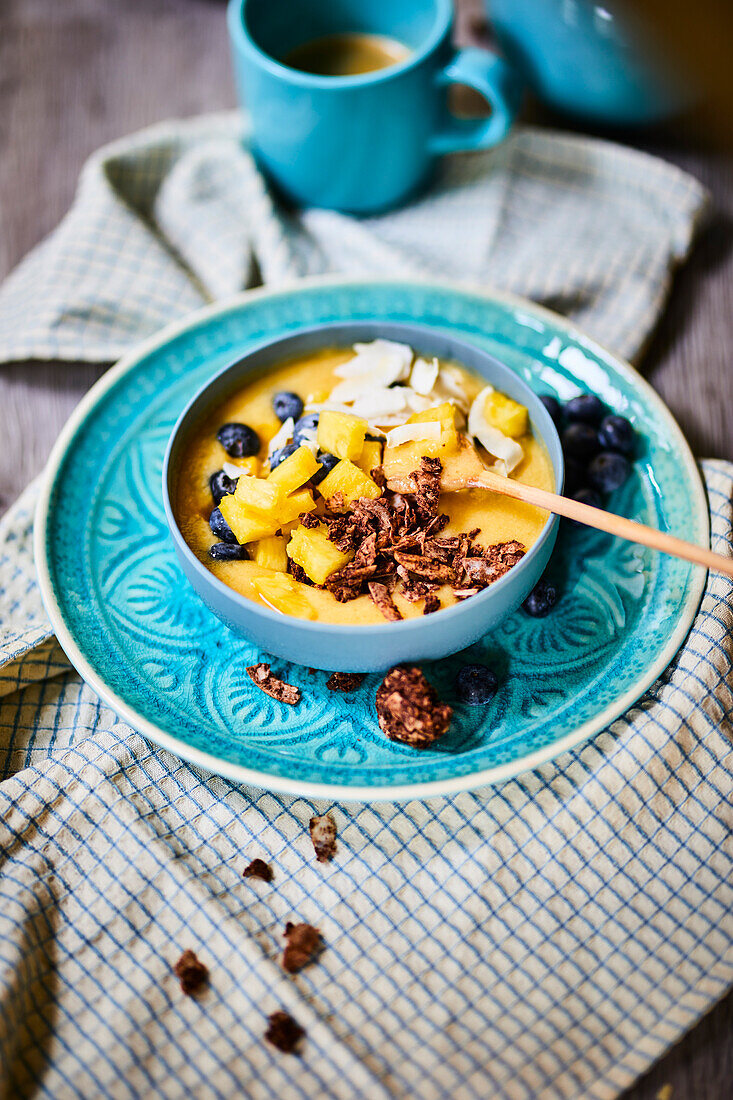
<point x="140" y="637"/>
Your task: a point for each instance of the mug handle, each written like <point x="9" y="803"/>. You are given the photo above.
<point x="494" y="79"/>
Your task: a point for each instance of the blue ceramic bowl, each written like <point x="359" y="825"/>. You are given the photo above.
<point x="373" y="647"/>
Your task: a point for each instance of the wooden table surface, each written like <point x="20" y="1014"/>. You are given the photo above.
<point x="76" y="74"/>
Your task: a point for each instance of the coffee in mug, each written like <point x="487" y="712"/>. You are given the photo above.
<point x="347" y="54"/>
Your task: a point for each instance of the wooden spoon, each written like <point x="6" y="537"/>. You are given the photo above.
<point x="465" y="470"/>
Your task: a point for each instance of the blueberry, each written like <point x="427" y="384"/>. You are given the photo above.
<point x="239" y="440"/>
<point x="220" y="527"/>
<point x="280" y="455"/>
<point x="285" y="403"/>
<point x="541" y="600"/>
<point x="307" y="423"/>
<point x="586" y="496"/>
<point x="586" y="409"/>
<point x="580" y="441"/>
<point x="476" y="685"/>
<point x="227" y="551"/>
<point x="327" y="462"/>
<point x="221" y="486"/>
<point x="553" y="407"/>
<point x="608" y="471"/>
<point x="616" y="434"/>
<point x="574" y="476"/>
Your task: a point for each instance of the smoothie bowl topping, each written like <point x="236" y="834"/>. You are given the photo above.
<point x="287" y="491"/>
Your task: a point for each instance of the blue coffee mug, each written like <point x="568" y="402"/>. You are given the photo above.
<point x="361" y="143"/>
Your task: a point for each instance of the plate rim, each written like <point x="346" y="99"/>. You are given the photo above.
<point x="263" y="780"/>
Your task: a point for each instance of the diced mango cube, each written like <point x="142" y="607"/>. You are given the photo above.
<point x="247" y="526"/>
<point x="284" y="594"/>
<point x="341" y="434"/>
<point x="507" y="415"/>
<point x="436" y="448"/>
<point x="259" y="494"/>
<point x="313" y="551"/>
<point x="270" y="553"/>
<point x="297" y="468"/>
<point x="445" y="415"/>
<point x="348" y="479"/>
<point x="415" y="449"/>
<point x="370" y="456"/>
<point x="294" y="505"/>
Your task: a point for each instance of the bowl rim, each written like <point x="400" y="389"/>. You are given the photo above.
<point x="371" y="631"/>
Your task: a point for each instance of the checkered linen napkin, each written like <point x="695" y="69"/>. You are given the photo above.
<point x="549" y="937"/>
<point x="546" y="938"/>
<point x="178" y="215"/>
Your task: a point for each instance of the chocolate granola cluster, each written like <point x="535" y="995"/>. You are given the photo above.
<point x="398" y="547"/>
<point x="272" y="685"/>
<point x="409" y="710"/>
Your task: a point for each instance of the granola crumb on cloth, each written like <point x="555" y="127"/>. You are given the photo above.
<point x="271" y="685"/>
<point x="258" y="869"/>
<point x="304" y="942"/>
<point x="323" y="835"/>
<point x="409" y="710"/>
<point x="191" y="973"/>
<point x="345" y="681"/>
<point x="283" y="1032"/>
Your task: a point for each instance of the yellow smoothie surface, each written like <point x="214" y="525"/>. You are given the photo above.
<point x="366" y="398"/>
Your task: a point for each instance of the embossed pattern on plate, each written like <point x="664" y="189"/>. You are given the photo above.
<point x="136" y="631"/>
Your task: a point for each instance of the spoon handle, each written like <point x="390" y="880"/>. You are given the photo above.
<point x="605" y="521"/>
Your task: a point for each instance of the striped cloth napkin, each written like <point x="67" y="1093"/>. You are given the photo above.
<point x="549" y="937"/>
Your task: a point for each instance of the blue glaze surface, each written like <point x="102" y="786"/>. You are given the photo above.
<point x="136" y="631"/>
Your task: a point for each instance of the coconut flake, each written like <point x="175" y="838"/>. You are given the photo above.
<point x="232" y="471"/>
<point x="309" y="440"/>
<point x="449" y="386"/>
<point x="393" y="421"/>
<point x="282" y="436"/>
<point x="328" y="406"/>
<point x="361" y="393"/>
<point x="387" y="349"/>
<point x="380" y="402"/>
<point x="353" y="388"/>
<point x="384" y="361"/>
<point x="424" y="375"/>
<point x="417" y="403"/>
<point x="408" y="433"/>
<point x="495" y="442"/>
